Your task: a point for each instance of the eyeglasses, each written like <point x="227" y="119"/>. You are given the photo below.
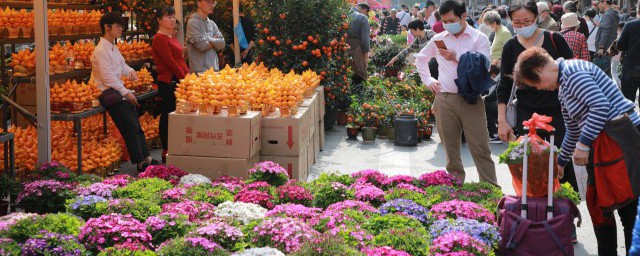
<point x="522" y="23"/>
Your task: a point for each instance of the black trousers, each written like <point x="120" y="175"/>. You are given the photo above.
<point x="491" y="109"/>
<point x="125" y="116"/>
<point x="630" y="83"/>
<point x="168" y="105"/>
<point x="558" y="124"/>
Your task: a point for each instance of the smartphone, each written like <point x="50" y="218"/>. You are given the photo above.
<point x="440" y="44"/>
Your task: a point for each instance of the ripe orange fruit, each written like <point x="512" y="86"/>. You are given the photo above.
<point x="278" y="42"/>
<point x="295" y="47"/>
<point x="260" y="42"/>
<point x="315" y="41"/>
<point x="265" y="30"/>
<point x="310" y="38"/>
<point x="305" y="63"/>
<point x="283" y="16"/>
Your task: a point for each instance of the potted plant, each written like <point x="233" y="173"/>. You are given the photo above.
<point x="353" y="127"/>
<point x="370" y="118"/>
<point x="383" y="55"/>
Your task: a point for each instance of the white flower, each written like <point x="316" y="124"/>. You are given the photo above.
<point x="194" y="179"/>
<point x="263" y="251"/>
<point x="244" y="212"/>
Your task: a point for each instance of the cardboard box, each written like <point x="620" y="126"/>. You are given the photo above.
<point x="26" y="94"/>
<point x="312" y="105"/>
<point x="297" y="167"/>
<point x="311" y="156"/>
<point x="322" y="134"/>
<point x="215" y="136"/>
<point x="214" y="167"/>
<point x="19" y="119"/>
<point x="321" y="104"/>
<point x="316" y="145"/>
<point x="286" y="136"/>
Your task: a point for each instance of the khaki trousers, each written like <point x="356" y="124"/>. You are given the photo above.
<point x="453" y="116"/>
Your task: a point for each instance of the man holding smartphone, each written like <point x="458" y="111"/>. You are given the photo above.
<point x="453" y="114"/>
<point x="108" y="68"/>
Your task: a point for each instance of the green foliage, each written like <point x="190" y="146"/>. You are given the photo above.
<point x="147" y="189"/>
<point x="377" y="224"/>
<point x="355" y="218"/>
<point x="417" y="197"/>
<point x="566" y="191"/>
<point x="399" y="39"/>
<point x="383" y="54"/>
<point x="484" y="194"/>
<point x="174" y="227"/>
<point x="87" y="211"/>
<point x="209" y="194"/>
<point x="180" y="247"/>
<point x="8" y="186"/>
<point x="327" y="245"/>
<point x="414" y="241"/>
<point x="439" y="194"/>
<point x="140" y="209"/>
<point x="9" y="247"/>
<point x="125" y="252"/>
<point x="85" y="180"/>
<point x="328" y="177"/>
<point x="329" y="193"/>
<point x="61" y="223"/>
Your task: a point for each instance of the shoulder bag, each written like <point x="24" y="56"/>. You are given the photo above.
<point x="512" y="108"/>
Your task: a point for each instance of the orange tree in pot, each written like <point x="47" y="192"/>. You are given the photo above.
<point x="302" y="34"/>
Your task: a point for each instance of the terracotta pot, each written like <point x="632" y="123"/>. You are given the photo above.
<point x="342" y="117"/>
<point x="369" y="134"/>
<point x="352" y="132"/>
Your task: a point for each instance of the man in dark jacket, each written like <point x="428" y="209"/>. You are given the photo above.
<point x="629" y="44"/>
<point x="358" y="40"/>
<point x="608" y="30"/>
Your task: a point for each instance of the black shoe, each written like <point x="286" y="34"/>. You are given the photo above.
<point x="143" y="167"/>
<point x="494" y="140"/>
<point x="154" y="162"/>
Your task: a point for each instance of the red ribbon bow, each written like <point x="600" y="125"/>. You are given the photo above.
<point x="538" y="122"/>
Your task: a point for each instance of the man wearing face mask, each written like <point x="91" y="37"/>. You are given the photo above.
<point x="544" y="19"/>
<point x="455" y="115"/>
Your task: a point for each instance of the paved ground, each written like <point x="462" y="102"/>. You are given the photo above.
<point x="347" y="156"/>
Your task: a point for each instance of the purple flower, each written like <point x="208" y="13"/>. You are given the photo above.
<point x="174" y="194"/>
<point x="410" y="188"/>
<point x="351" y="204"/>
<point x="202" y="242"/>
<point x="258" y="185"/>
<point x="384" y="251"/>
<point x="222" y="233"/>
<point x="407" y="207"/>
<point x="461" y="209"/>
<point x="457" y="241"/>
<point x="268" y="167"/>
<point x="439" y="177"/>
<point x="368" y="193"/>
<point x="36" y="189"/>
<point x="120" y="180"/>
<point x="98" y="189"/>
<point x="482" y="231"/>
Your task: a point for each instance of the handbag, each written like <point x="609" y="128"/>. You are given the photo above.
<point x="110" y="97"/>
<point x="512" y="108"/>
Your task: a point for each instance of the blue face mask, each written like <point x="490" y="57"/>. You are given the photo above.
<point x="453" y="28"/>
<point x="526" y="32"/>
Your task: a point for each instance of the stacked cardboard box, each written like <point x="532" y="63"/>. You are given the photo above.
<point x="321" y="109"/>
<point x="26" y="98"/>
<point x="288" y="141"/>
<point x="214" y="145"/>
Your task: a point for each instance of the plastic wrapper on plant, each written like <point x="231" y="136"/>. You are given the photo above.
<point x="538" y="162"/>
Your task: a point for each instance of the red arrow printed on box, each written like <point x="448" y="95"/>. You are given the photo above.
<point x="290" y="137"/>
<point x="290" y="170"/>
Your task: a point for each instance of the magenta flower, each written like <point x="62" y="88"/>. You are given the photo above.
<point x="306" y="214"/>
<point x="461" y="209"/>
<point x="221" y="233"/>
<point x="99" y="189"/>
<point x="113" y="229"/>
<point x="397" y="180"/>
<point x="286" y="234"/>
<point x="368" y="193"/>
<point x="270" y="172"/>
<point x="41" y="187"/>
<point x="120" y="180"/>
<point x="384" y="251"/>
<point x="410" y="188"/>
<point x="294" y="194"/>
<point x="374" y="177"/>
<point x="197" y="211"/>
<point x="458" y="243"/>
<point x="174" y="194"/>
<point x="351" y="204"/>
<point x="169" y="173"/>
<point x="439" y="177"/>
<point x="258" y="185"/>
<point x="202" y="242"/>
<point x="256" y="197"/>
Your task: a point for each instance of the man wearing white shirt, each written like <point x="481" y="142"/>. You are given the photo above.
<point x="108" y="68"/>
<point x="404" y="15"/>
<point x="453" y="114"/>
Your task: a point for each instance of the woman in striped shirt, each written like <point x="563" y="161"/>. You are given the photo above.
<point x="591" y="105"/>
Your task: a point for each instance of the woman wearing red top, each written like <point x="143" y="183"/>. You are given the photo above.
<point x="169" y="59"/>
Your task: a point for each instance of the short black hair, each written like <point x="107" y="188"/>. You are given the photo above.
<point x="556" y="2"/>
<point x="458" y="8"/>
<point x="385" y="13"/>
<point x="241" y="8"/>
<point x="111" y="18"/>
<point x="502" y="12"/>
<point x="621" y="25"/>
<point x="633" y="13"/>
<point x="165" y="11"/>
<point x="364" y="6"/>
<point x="429" y="3"/>
<point x="436" y="15"/>
<point x="403" y="6"/>
<point x="416" y="24"/>
<point x="528" y="5"/>
<point x="591" y="13"/>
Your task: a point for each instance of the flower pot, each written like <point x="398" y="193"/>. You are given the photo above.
<point x="13" y="32"/>
<point x="391" y="132"/>
<point x="342" y="117"/>
<point x="428" y="132"/>
<point x="382" y="131"/>
<point x="420" y="135"/>
<point x="4" y="208"/>
<point x="284" y="112"/>
<point x="352" y="132"/>
<point x="26" y="32"/>
<point x="369" y="134"/>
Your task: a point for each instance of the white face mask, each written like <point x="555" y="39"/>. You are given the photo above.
<point x="526" y="32"/>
